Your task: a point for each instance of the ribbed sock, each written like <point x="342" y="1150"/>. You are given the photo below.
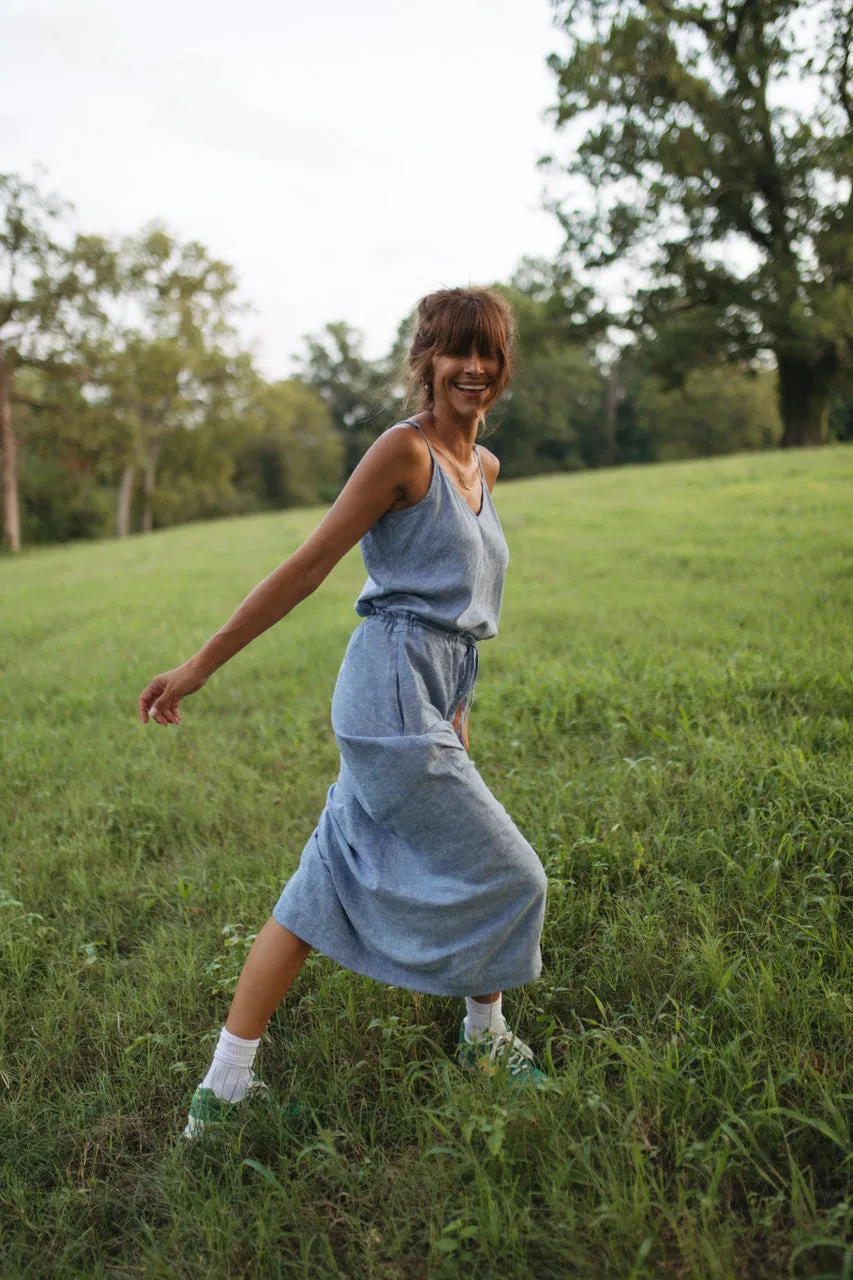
<point x="231" y="1070"/>
<point x="484" y="1018"/>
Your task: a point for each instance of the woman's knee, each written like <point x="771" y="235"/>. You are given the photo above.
<point x="532" y="876"/>
<point x="539" y="880"/>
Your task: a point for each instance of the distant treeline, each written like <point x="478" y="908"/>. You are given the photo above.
<point x="127" y="403"/>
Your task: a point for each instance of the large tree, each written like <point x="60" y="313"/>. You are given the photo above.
<point x="719" y="144"/>
<point x="51" y="293"/>
<point x="168" y="363"/>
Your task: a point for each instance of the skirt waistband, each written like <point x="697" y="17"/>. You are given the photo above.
<point x="408" y="618"/>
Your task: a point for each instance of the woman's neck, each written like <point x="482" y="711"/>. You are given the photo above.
<point x="458" y="434"/>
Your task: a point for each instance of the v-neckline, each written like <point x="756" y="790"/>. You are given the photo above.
<point x="436" y="464"/>
<point x="475" y="514"/>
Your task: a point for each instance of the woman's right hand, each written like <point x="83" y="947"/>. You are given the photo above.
<point x="159" y="699"/>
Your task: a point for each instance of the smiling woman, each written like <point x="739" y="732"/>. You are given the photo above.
<point x="415" y="874"/>
<point x="457" y="323"/>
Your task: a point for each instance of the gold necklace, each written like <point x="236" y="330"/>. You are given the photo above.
<point x="469" y="487"/>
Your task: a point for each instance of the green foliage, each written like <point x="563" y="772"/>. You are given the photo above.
<point x="359" y="394"/>
<point x="291" y="456"/>
<point x="60" y="504"/>
<point x="841" y="416"/>
<point x="52" y="296"/>
<point x="668" y="715"/>
<point x="173" y="366"/>
<point x="738" y="195"/>
<point x="224" y="970"/>
<point x="553" y="412"/>
<point x="716" y="411"/>
<point x="161" y="418"/>
<point x="54" y="285"/>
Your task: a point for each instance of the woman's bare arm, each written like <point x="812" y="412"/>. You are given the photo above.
<point x="395" y="468"/>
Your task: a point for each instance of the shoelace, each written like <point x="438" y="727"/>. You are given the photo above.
<point x="518" y="1053"/>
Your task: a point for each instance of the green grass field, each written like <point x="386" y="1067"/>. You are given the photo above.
<point x="667" y="714"/>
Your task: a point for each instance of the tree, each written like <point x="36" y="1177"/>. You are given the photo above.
<point x="841" y="416"/>
<point x="552" y="417"/>
<point x="358" y="393"/>
<point x="552" y="411"/>
<point x="170" y="361"/>
<point x="702" y="170"/>
<point x="715" y="411"/>
<point x="291" y="455"/>
<point x="66" y="449"/>
<point x="50" y="294"/>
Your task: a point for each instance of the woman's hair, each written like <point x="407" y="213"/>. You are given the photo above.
<point x="451" y="323"/>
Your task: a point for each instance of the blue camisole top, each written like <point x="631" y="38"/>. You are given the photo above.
<point x="438" y="559"/>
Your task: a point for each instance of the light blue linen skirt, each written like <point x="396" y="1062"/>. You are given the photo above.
<point x="415" y="874"/>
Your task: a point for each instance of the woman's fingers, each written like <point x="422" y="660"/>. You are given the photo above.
<point x="159" y="700"/>
<point x="165" y="712"/>
<point x="147" y="698"/>
<point x="156" y="703"/>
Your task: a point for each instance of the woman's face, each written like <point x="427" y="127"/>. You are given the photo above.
<point x="464" y="384"/>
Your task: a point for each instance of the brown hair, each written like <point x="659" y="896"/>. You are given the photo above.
<point x="451" y="323"/>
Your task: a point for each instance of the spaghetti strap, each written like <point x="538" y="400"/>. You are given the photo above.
<point x="409" y="422"/>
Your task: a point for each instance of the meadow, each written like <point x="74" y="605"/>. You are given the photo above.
<point x="667" y="713"/>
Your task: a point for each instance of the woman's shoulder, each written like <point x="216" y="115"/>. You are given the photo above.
<point x="402" y="455"/>
<point x="491" y="465"/>
<point x="406" y="434"/>
<point x="400" y="445"/>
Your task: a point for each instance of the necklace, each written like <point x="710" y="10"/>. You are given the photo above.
<point x="469" y="487"/>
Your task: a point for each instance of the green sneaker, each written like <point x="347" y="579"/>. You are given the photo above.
<point x="499" y="1053"/>
<point x="207" y="1111"/>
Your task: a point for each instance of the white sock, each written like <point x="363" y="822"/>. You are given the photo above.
<point x="483" y="1018"/>
<point x="231" y="1070"/>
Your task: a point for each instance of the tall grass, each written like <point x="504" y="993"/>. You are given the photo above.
<point x="667" y="715"/>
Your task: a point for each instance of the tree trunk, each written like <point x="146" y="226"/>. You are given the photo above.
<point x="9" y="459"/>
<point x="150" y="477"/>
<point x="805" y="391"/>
<point x="125" y="501"/>
<point x="614" y="392"/>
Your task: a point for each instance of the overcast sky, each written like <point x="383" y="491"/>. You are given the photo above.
<point x="345" y="156"/>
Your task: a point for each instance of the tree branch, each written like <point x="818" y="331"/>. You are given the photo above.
<point x="845" y="39"/>
<point x="730" y="44"/>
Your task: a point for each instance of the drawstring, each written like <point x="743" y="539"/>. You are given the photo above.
<point x="472" y="665"/>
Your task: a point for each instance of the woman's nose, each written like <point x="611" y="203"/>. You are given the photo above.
<point x="473" y="362"/>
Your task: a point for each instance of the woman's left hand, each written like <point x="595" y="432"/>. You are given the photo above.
<point x="457" y="721"/>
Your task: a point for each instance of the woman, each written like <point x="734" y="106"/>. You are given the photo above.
<point x="415" y="875"/>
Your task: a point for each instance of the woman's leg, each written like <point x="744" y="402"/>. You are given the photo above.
<point x="486" y="1042"/>
<point x="276" y="957"/>
<point x="483" y="1016"/>
<point x="271" y="966"/>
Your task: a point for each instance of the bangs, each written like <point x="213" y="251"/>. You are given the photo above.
<point x="468" y="323"/>
<point x="454" y="322"/>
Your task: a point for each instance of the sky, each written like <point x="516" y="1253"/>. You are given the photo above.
<point x="346" y="157"/>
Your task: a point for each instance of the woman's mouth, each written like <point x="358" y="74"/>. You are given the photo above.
<point x="471" y="388"/>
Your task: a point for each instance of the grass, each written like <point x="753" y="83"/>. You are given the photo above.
<point x="668" y="715"/>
